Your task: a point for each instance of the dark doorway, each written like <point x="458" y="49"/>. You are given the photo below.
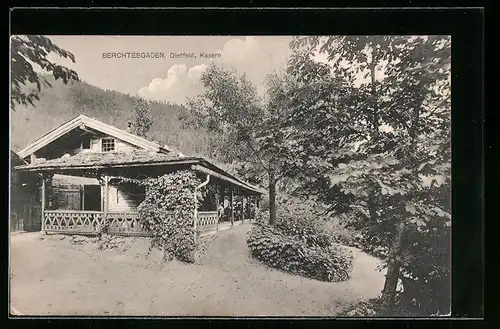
<point x="92" y="197"/>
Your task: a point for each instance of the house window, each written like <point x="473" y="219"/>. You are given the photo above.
<point x="108" y="145"/>
<point x="86" y="144"/>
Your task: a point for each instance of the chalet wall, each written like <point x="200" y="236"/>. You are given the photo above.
<point x="124" y="197"/>
<point x="67" y="197"/>
<point x="124" y="147"/>
<point x="73" y="180"/>
<point x="95" y="147"/>
<point x="68" y="194"/>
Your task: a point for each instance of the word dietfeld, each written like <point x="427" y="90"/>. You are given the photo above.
<point x="193" y="55"/>
<point x="156" y="55"/>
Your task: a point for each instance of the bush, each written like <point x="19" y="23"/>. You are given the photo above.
<point x="338" y="229"/>
<point x="299" y="256"/>
<point x="302" y="227"/>
<point x="262" y="217"/>
<point x="167" y="212"/>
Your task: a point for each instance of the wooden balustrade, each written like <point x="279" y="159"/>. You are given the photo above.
<point x="121" y="223"/>
<point x="90" y="222"/>
<point x="207" y="219"/>
<point x="125" y="223"/>
<point x="72" y="221"/>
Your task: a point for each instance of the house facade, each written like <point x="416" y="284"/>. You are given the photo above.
<point x="81" y="164"/>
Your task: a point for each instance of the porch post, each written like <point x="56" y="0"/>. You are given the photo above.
<point x="105" y="197"/>
<point x="217" y="207"/>
<point x="231" y="203"/>
<point x="82" y="196"/>
<point x="222" y="198"/>
<point x="249" y="207"/>
<point x="253" y="210"/>
<point x="43" y="204"/>
<point x="195" y="215"/>
<point x="242" y="206"/>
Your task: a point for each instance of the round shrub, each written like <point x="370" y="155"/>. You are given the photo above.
<point x="303" y="225"/>
<point x="298" y="256"/>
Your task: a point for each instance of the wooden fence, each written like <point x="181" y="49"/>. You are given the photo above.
<point x="120" y="223"/>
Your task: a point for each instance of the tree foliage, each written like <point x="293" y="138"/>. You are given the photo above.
<point x="372" y="129"/>
<point x="29" y="50"/>
<point x="168" y="212"/>
<point x="231" y="107"/>
<point x="141" y="119"/>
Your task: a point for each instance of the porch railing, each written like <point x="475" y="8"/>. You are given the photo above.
<point x="125" y="223"/>
<point x="73" y="221"/>
<point x="207" y="218"/>
<point x="121" y="223"/>
<point x="90" y="222"/>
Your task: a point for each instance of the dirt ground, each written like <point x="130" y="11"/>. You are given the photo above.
<point x="51" y="276"/>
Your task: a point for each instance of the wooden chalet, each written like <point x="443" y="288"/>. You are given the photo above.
<point x="81" y="162"/>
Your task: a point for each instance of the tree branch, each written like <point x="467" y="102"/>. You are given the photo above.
<point x="436" y="107"/>
<point x="247" y="140"/>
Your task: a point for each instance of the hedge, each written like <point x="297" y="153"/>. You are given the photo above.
<point x="303" y="227"/>
<point x="299" y="256"/>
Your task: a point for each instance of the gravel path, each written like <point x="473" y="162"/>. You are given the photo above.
<point x="53" y="277"/>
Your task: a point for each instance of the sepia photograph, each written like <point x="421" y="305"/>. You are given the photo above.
<point x="230" y="176"/>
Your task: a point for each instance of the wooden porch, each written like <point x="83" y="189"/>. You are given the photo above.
<point x="123" y="223"/>
<point x="223" y="207"/>
<point x="80" y="206"/>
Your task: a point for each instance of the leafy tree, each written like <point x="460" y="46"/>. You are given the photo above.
<point x="141" y="120"/>
<point x="373" y="127"/>
<point x="29" y="50"/>
<point x="230" y="107"/>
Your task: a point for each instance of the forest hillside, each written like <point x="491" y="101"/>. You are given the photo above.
<point x="59" y="103"/>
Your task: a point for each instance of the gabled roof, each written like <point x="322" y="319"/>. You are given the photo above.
<point x="15" y="159"/>
<point x="83" y="120"/>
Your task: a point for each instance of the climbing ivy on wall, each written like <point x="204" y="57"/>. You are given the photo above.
<point x="168" y="212"/>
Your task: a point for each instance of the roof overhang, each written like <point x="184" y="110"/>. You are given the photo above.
<point x="226" y="177"/>
<point x="197" y="164"/>
<point x="42" y="167"/>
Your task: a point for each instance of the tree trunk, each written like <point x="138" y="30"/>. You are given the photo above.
<point x="372" y="206"/>
<point x="272" y="197"/>
<point x="373" y="66"/>
<point x="393" y="268"/>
